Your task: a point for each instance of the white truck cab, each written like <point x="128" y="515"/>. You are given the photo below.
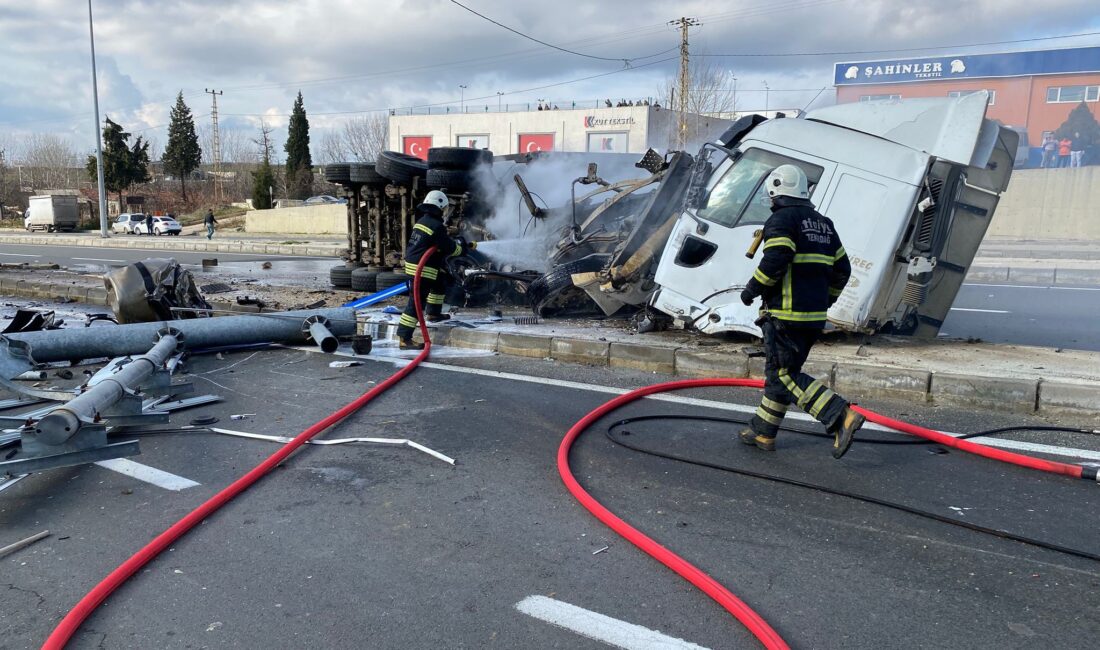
<point x="910" y="185"/>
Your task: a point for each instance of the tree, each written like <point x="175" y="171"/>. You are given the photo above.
<point x="365" y="137"/>
<point x="48" y="162"/>
<point x="182" y="155"/>
<point x="299" y="163"/>
<point x="264" y="178"/>
<point x="1081" y="127"/>
<point x="123" y="165"/>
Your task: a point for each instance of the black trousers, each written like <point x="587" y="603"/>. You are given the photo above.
<point x="432" y="291"/>
<point x="786" y="349"/>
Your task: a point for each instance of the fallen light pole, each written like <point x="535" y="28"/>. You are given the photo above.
<point x="75" y="432"/>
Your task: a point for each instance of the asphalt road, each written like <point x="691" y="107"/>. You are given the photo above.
<point x="367" y="546"/>
<point x="88" y="256"/>
<point x="1058" y="317"/>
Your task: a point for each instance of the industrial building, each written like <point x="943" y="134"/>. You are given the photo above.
<point x="1033" y="91"/>
<point x="627" y="129"/>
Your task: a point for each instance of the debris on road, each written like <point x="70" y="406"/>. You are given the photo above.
<point x="24" y="543"/>
<point x="344" y="364"/>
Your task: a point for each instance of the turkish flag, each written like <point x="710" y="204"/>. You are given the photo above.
<point x="417" y="145"/>
<point x="531" y="142"/>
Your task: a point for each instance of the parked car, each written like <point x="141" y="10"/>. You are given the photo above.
<point x="325" y="199"/>
<point x="126" y="222"/>
<point x="51" y="213"/>
<point x="161" y="226"/>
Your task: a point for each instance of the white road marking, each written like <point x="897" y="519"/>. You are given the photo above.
<point x="12" y="481"/>
<point x="151" y="475"/>
<point x="18" y="255"/>
<point x="1030" y="286"/>
<point x="96" y="259"/>
<point x="599" y="627"/>
<point x="983" y="311"/>
<point x="1069" y="452"/>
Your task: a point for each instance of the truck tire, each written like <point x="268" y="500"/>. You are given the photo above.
<point x="338" y="173"/>
<point x="365" y="174"/>
<point x="400" y="168"/>
<point x="456" y="181"/>
<point x="363" y="279"/>
<point x="458" y="158"/>
<point x="387" y="279"/>
<point x="554" y="293"/>
<point x="340" y="276"/>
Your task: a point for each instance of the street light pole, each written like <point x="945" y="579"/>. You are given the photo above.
<point x="462" y="95"/>
<point x="499" y="95"/>
<point x="766" y="92"/>
<point x="98" y="138"/>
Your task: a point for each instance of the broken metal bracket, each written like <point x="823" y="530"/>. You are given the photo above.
<point x="88" y="445"/>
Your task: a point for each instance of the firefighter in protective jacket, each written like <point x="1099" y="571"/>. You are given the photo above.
<point x="803" y="272"/>
<point x="430" y="230"/>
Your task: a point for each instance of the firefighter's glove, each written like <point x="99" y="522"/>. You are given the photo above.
<point x="747" y="297"/>
<point x="472" y="245"/>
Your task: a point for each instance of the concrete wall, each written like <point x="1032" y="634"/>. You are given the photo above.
<point x="311" y="220"/>
<point x="1050" y="204"/>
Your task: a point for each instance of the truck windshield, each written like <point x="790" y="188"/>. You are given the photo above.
<point x="738" y="198"/>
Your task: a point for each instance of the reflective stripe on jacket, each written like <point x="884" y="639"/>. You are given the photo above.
<point x="429" y="231"/>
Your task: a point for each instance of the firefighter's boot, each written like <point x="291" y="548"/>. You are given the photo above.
<point x="438" y="318"/>
<point x="409" y="344"/>
<point x="750" y="437"/>
<point x="845" y="430"/>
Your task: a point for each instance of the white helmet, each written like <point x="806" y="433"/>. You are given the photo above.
<point x="787" y="180"/>
<point x="439" y="199"/>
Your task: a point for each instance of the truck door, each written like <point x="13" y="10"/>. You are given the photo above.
<point x="704" y="268"/>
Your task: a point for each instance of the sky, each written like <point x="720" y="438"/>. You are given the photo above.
<point x="350" y="57"/>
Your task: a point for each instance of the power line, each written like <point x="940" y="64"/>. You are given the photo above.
<point x="626" y="61"/>
<point x="904" y="49"/>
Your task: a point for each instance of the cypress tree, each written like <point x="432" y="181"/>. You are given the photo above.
<point x="264" y="178"/>
<point x="299" y="163"/>
<point x="118" y="167"/>
<point x="183" y="154"/>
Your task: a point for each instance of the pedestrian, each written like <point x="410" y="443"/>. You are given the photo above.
<point x="148" y="223"/>
<point x="209" y="220"/>
<point x="803" y="272"/>
<point x="430" y="230"/>
<point x="1049" y="147"/>
<point x="1065" y="146"/>
<point x="1076" y="152"/>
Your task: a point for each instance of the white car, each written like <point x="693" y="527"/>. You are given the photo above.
<point x="126" y="222"/>
<point x="161" y="226"/>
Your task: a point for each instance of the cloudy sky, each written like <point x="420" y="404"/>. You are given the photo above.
<point x="349" y="57"/>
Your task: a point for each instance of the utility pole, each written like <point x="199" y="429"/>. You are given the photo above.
<point x="462" y="100"/>
<point x="685" y="77"/>
<point x="98" y="137"/>
<point x="216" y="143"/>
<point x="499" y="96"/>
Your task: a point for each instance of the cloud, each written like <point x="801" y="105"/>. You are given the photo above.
<point x="348" y="55"/>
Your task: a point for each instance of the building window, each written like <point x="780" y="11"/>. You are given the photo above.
<point x="875" y="98"/>
<point x="1072" y="94"/>
<point x="964" y="93"/>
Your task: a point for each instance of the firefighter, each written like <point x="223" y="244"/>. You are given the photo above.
<point x="802" y="273"/>
<point x="429" y="231"/>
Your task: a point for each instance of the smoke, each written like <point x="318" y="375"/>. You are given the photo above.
<point x="520" y="240"/>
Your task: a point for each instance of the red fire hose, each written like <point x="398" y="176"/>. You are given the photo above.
<point x="94" y="598"/>
<point x="749" y="618"/>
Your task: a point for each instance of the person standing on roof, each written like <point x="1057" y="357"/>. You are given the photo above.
<point x="209" y="220"/>
<point x="430" y="230"/>
<point x="803" y="272"/>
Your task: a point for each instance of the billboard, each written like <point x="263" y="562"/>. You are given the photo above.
<point x="968" y="66"/>
<point x="610" y="142"/>
<point x="479" y="141"/>
<point x="529" y="142"/>
<point x="417" y="145"/>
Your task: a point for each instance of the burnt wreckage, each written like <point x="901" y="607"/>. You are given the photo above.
<point x="911" y="186"/>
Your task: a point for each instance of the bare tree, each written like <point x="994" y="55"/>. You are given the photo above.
<point x="332" y="149"/>
<point x="364" y="137"/>
<point x="49" y="162"/>
<point x="711" y="89"/>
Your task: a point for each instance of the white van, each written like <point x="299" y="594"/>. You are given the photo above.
<point x="910" y="185"/>
<point x="52" y="213"/>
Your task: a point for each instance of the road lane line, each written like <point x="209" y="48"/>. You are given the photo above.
<point x="95" y="259"/>
<point x="151" y="475"/>
<point x="599" y="627"/>
<point x="18" y="254"/>
<point x="1030" y="286"/>
<point x="1052" y="450"/>
<point x="982" y="311"/>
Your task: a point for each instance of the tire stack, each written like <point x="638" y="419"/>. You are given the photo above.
<point x="400" y="168"/>
<point x="452" y="169"/>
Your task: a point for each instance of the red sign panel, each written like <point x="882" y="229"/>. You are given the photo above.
<point x="417" y="145"/>
<point x="529" y="142"/>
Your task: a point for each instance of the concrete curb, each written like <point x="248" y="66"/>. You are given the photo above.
<point x="1045" y="276"/>
<point x="1077" y="400"/>
<point x="179" y="244"/>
